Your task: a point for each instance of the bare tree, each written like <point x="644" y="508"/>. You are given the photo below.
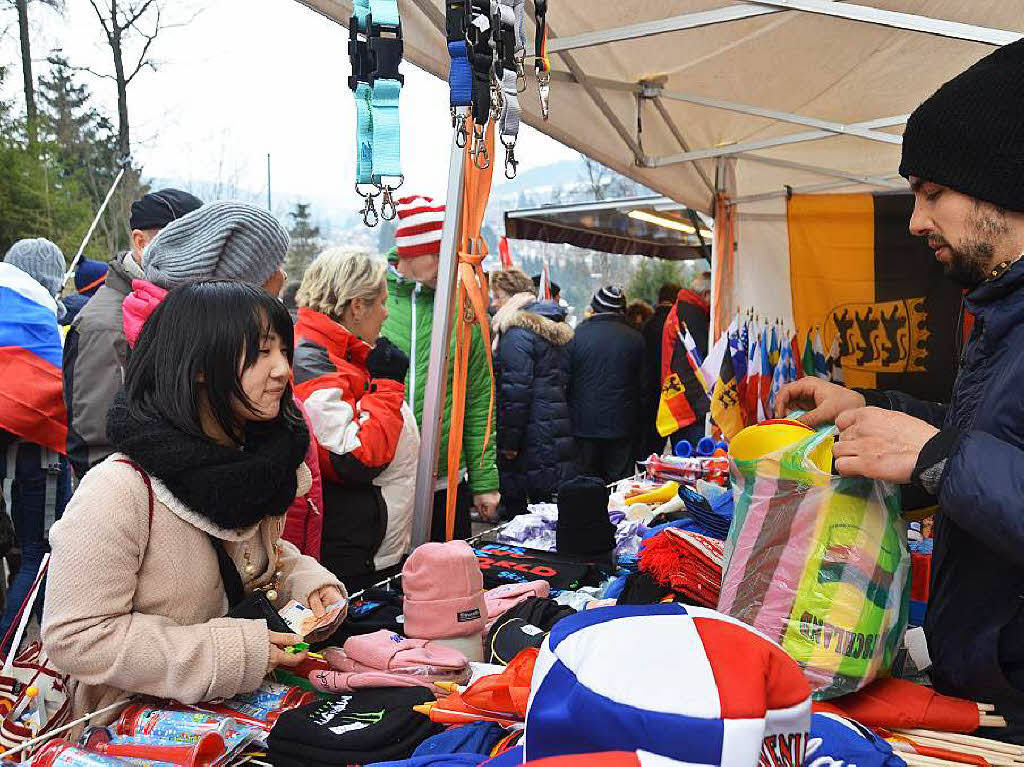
<point x="127" y="25"/>
<point x="603" y="183"/>
<point x="26" y="61"/>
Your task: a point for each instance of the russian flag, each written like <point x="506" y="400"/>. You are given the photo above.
<point x="31" y="385"/>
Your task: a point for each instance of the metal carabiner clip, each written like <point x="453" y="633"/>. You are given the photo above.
<point x="520" y="58"/>
<point x="511" y="163"/>
<point x="370" y="217"/>
<point x="544" y="91"/>
<point x="480" y="149"/>
<point x="461" y="134"/>
<point x="388" y="211"/>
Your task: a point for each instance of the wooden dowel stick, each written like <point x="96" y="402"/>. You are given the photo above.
<point x="967" y="740"/>
<point x="988" y="720"/>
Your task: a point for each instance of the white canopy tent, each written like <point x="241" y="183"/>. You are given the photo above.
<point x="690" y="97"/>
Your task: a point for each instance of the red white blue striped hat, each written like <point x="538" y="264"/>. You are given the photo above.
<point x="684" y="684"/>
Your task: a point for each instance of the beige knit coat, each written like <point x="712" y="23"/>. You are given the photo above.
<point x="134" y="607"/>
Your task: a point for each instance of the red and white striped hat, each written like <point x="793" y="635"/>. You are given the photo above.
<point x="419" y="227"/>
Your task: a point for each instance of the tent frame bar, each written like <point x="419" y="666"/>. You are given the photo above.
<point x="746" y="10"/>
<point x="854" y="129"/>
<point x="855" y="177"/>
<point x="660" y="26"/>
<point x="896" y="20"/>
<point x="809" y="189"/>
<point x="753" y="146"/>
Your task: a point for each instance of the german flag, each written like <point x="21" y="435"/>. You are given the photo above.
<point x="877" y="291"/>
<point x="683" y="396"/>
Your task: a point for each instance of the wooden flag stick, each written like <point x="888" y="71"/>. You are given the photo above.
<point x="966" y="740"/>
<point x="988" y="720"/>
<point x="919" y="760"/>
<point x="986" y="708"/>
<point x="992" y="757"/>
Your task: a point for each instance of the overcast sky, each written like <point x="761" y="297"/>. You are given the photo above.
<point x="248" y="77"/>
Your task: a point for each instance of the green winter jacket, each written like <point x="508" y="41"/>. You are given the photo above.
<point x="409" y="324"/>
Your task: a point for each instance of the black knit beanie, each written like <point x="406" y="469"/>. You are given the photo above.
<point x="969" y="134"/>
<point x="583" y="526"/>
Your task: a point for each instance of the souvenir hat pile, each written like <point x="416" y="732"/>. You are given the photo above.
<point x="706" y="690"/>
<point x="372" y="725"/>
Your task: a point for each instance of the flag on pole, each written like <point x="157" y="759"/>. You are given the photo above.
<point x="795" y="348"/>
<point x="725" y="401"/>
<point x="683" y="393"/>
<point x="713" y="364"/>
<point x="773" y="350"/>
<point x="738" y="349"/>
<point x="820" y="368"/>
<point x="31" y="384"/>
<point x="753" y="410"/>
<point x="504" y="255"/>
<point x="544" y="287"/>
<point x="835" y="364"/>
<point x="808" y="358"/>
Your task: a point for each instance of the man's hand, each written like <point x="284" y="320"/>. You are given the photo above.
<point x="487" y="505"/>
<point x="822" y="400"/>
<point x="880" y="444"/>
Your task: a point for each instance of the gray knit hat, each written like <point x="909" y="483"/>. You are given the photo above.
<point x="221" y="240"/>
<point x="41" y="260"/>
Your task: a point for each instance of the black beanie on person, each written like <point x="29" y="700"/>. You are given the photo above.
<point x="371" y="725"/>
<point x="969" y="134"/>
<point x="610" y="300"/>
<point x="583" y="526"/>
<point x="156" y="210"/>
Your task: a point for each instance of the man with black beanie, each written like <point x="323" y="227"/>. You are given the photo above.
<point x="95" y="350"/>
<point x="963" y="154"/>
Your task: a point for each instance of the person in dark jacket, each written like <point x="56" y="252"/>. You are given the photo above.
<point x="652" y="442"/>
<point x="95" y="350"/>
<point x="536" y="450"/>
<point x="969" y="453"/>
<point x="606" y="363"/>
<point x="89" y="278"/>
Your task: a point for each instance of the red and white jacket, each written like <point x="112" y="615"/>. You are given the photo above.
<point x="366" y="446"/>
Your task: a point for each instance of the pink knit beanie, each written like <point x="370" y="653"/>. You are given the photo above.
<point x="444" y="592"/>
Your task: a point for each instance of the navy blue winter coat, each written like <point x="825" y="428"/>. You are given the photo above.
<point x="532" y="371"/>
<point x="606" y="385"/>
<point x="975" y="621"/>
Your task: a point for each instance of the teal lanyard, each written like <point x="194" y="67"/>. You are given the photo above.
<point x="375" y="50"/>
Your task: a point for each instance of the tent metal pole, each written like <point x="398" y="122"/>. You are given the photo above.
<point x="855" y="177"/>
<point x="592" y="92"/>
<point x="896" y="20"/>
<point x="809" y="189"/>
<point x="440" y="344"/>
<point x="660" y="106"/>
<point x="786" y="117"/>
<point x="660" y="26"/>
<point x="753" y="146"/>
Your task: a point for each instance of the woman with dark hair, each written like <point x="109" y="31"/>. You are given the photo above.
<point x="183" y="523"/>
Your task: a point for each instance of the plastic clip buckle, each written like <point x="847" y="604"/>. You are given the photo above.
<point x="358" y="55"/>
<point x="386" y="48"/>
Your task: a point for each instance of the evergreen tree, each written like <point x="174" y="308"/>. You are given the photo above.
<point x="305" y="242"/>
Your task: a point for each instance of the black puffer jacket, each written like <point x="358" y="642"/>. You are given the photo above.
<point x="532" y="372"/>
<point x="606" y="379"/>
<point x="975" y="621"/>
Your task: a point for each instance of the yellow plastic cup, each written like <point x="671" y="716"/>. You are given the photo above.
<point x="770" y="437"/>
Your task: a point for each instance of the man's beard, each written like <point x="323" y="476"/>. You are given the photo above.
<point x="968" y="265"/>
<point x="971" y="261"/>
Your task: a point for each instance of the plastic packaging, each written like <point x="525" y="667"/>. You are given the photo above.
<point x="819" y="564"/>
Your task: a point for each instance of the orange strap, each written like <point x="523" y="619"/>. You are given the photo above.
<point x="471" y="303"/>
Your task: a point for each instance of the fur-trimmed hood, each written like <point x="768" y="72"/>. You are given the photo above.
<point x="523" y="311"/>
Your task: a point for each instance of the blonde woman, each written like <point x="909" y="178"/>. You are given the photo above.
<point x="351" y="382"/>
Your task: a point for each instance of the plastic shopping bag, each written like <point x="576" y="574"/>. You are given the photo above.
<point x="818" y="563"/>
